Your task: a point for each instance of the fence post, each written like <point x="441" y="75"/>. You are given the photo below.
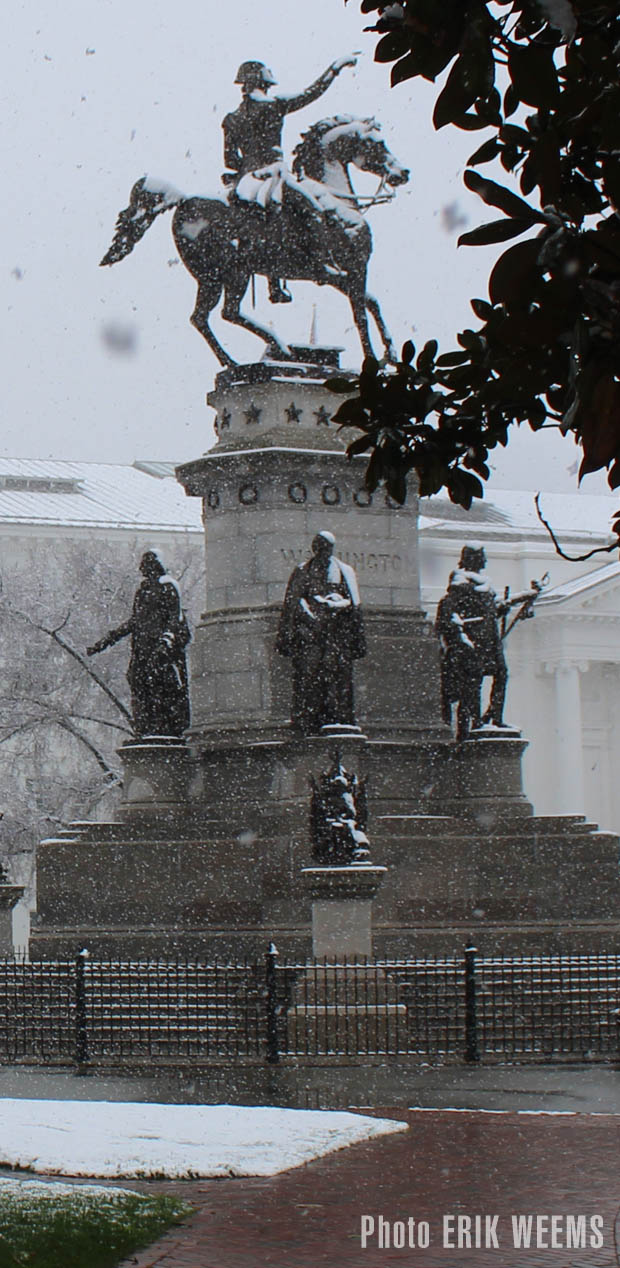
<point x="273" y="1056"/>
<point x="471" y="1012"/>
<point x="81" y="1035"/>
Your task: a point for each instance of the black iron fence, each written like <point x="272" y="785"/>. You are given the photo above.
<point x="168" y="1012"/>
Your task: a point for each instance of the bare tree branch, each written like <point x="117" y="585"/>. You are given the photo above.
<point x="576" y="559"/>
<point x="67" y="725"/>
<point x="87" y="717"/>
<point x="81" y="660"/>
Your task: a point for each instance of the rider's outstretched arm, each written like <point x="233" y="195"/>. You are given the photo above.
<point x="316" y="89"/>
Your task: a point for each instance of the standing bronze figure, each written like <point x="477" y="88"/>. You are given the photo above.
<point x="321" y="630"/>
<point x="157" y="673"/>
<point x="471" y="626"/>
<point x="307" y="224"/>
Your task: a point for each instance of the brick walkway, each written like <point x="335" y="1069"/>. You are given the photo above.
<point x="470" y="1162"/>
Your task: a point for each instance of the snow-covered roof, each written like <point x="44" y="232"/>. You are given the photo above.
<point x="146" y="495"/>
<point x="160" y="469"/>
<point x="580" y="585"/>
<point x="93" y="494"/>
<point x="575" y="514"/>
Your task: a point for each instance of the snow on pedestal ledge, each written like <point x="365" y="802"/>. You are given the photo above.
<point x="129" y="1139"/>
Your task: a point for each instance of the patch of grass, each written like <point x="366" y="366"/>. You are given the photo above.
<point x="78" y="1226"/>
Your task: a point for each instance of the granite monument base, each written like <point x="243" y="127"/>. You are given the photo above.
<point x="207" y="852"/>
<point x="222" y="875"/>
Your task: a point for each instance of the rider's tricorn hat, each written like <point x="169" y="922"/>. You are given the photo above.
<point x="252" y="71"/>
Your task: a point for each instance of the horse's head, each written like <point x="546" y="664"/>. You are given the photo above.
<point x="345" y="140"/>
<point x="371" y="154"/>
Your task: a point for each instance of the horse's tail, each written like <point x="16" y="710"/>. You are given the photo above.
<point x="147" y="200"/>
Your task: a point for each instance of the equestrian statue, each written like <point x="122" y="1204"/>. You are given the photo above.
<point x="305" y="223"/>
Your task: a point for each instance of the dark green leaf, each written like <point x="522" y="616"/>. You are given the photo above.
<point x="611" y="180"/>
<point x="427" y="355"/>
<point x="374" y="470"/>
<point x="494" y="231"/>
<point x="453" y="358"/>
<point x="511" y="101"/>
<point x="351" y="413"/>
<point x="489" y="108"/>
<point x="408" y="352"/>
<point x="341" y="385"/>
<point x="397" y="487"/>
<point x="543" y="168"/>
<point x="486" y="152"/>
<point x="613" y="480"/>
<point x="471" y="340"/>
<point x="495" y="195"/>
<point x="393" y="45"/>
<point x="514" y="135"/>
<point x="360" y="445"/>
<point x="460" y="91"/>
<point x="407" y="68"/>
<point x="470" y="123"/>
<point x="509" y="157"/>
<point x="533" y="74"/>
<point x="514" y="276"/>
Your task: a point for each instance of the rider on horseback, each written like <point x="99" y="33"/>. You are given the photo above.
<point x="253" y="153"/>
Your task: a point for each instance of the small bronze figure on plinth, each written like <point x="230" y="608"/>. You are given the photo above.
<point x="321" y="630"/>
<point x="157" y="673"/>
<point x="338" y="818"/>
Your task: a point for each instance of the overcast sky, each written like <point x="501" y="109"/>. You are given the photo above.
<point x="102" y="364"/>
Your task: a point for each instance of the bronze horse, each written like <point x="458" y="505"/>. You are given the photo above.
<point x="223" y="244"/>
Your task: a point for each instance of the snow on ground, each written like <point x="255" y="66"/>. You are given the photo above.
<point x="49" y="1190"/>
<point x="101" y="1138"/>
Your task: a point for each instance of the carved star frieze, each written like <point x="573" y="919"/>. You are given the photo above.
<point x="322" y="415"/>
<point x="252" y="414"/>
<point x="293" y="414"/>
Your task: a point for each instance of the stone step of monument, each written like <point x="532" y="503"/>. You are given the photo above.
<point x="432" y="825"/>
<point x="313" y="1030"/>
<point x="355" y="984"/>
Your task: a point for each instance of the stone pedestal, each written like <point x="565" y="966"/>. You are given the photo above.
<point x="342" y="909"/>
<point x="9" y="898"/>
<point x="344" y="1005"/>
<point x="156" y="778"/>
<point x="277" y="476"/>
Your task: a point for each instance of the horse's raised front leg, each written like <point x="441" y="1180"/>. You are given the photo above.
<point x="206" y="299"/>
<point x="372" y="305"/>
<point x="231" y="311"/>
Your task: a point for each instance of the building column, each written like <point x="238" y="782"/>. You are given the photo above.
<point x="569" y="739"/>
